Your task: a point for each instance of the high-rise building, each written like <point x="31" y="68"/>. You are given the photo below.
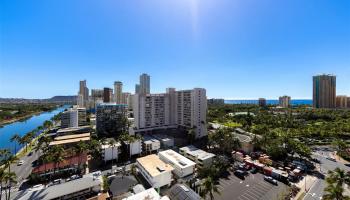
<point x="111" y="119"/>
<point x="186" y="108"/>
<point x="262" y="102"/>
<point x="216" y="101"/>
<point x="80" y="101"/>
<point x="137" y="89"/>
<point x="348" y="102"/>
<point x="342" y="101"/>
<point x="107" y="95"/>
<point x="324" y="91"/>
<point x="144" y="84"/>
<point x="84" y="92"/>
<point x="284" y="101"/>
<point x="73" y="117"/>
<point x="126" y="98"/>
<point x="118" y="90"/>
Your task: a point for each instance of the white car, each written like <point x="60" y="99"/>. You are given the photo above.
<point x="21" y="162"/>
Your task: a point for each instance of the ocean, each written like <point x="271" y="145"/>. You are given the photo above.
<point x="294" y="102"/>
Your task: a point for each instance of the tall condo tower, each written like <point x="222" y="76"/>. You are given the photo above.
<point x="83" y="94"/>
<point x="118" y="90"/>
<point x="324" y="91"/>
<point x="144" y="84"/>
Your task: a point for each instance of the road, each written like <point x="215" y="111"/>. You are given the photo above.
<point x="316" y="190"/>
<point x="22" y="172"/>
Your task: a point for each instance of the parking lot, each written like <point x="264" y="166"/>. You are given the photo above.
<point x="254" y="187"/>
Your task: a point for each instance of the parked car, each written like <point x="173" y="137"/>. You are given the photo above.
<point x="57" y="181"/>
<point x="347" y="164"/>
<point x="331" y="159"/>
<point x="270" y="180"/>
<point x="74" y="177"/>
<point x="254" y="170"/>
<point x="240" y="174"/>
<point x="21" y="162"/>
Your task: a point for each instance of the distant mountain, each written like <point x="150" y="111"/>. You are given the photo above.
<point x="55" y="99"/>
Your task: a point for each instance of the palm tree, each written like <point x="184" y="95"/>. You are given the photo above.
<point x="2" y="178"/>
<point x="112" y="143"/>
<point x="335" y="185"/>
<point x="9" y="178"/>
<point x="80" y="148"/>
<point x="9" y="160"/>
<point x="57" y="153"/>
<point x="209" y="188"/>
<point x="15" y="138"/>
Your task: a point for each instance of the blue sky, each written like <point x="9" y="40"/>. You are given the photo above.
<point x="236" y="49"/>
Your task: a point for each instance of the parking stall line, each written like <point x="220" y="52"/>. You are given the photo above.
<point x="224" y="183"/>
<point x="254" y="194"/>
<point x="265" y="186"/>
<point x="261" y="189"/>
<point x="249" y="196"/>
<point x="244" y="197"/>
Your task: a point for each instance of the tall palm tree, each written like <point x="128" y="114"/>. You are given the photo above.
<point x="2" y="178"/>
<point x="80" y="148"/>
<point x="15" y="138"/>
<point x="209" y="188"/>
<point x="9" y="179"/>
<point x="57" y="153"/>
<point x="335" y="185"/>
<point x="112" y="143"/>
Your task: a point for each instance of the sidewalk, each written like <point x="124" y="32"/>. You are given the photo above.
<point x="310" y="180"/>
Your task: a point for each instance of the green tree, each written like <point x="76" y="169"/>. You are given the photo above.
<point x="336" y="181"/>
<point x="209" y="188"/>
<point x="15" y="138"/>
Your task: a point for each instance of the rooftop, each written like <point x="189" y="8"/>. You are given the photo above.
<point x="150" y="194"/>
<point x="199" y="153"/>
<point x="74" y="160"/>
<point x="176" y="158"/>
<point x="72" y="129"/>
<point x="58" y="142"/>
<point x="180" y="192"/>
<point x="153" y="165"/>
<point x="65" y="137"/>
<point x="87" y="181"/>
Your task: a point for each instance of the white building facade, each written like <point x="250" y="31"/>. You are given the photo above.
<point x="182" y="166"/>
<point x="186" y="108"/>
<point x="155" y="171"/>
<point x="73" y="118"/>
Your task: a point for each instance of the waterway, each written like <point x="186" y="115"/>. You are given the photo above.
<point x="23" y="127"/>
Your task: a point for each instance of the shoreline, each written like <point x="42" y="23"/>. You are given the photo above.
<point x="7" y="122"/>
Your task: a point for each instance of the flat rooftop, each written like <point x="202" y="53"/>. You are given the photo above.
<point x="72" y="129"/>
<point x="58" y="142"/>
<point x="87" y="181"/>
<point x="153" y="165"/>
<point x="66" y="137"/>
<point x="177" y="159"/>
<point x="199" y="153"/>
<point x="150" y="194"/>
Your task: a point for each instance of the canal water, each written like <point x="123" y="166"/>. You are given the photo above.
<point x="23" y="127"/>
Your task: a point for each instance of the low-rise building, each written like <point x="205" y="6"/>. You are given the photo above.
<point x="150" y="194"/>
<point x="200" y="157"/>
<point x="73" y="130"/>
<point x="150" y="144"/>
<point x="110" y="152"/>
<point x="181" y="192"/>
<point x="165" y="141"/>
<point x="87" y="186"/>
<point x="69" y="140"/>
<point x="182" y="166"/>
<point x="246" y="142"/>
<point x="133" y="147"/>
<point x="156" y="172"/>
